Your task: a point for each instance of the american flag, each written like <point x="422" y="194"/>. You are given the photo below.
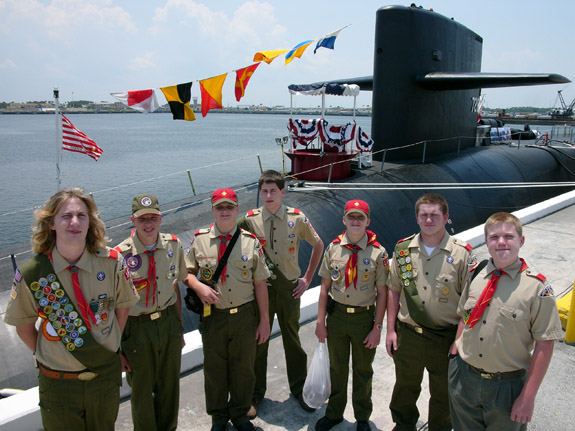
<point x="74" y="140"/>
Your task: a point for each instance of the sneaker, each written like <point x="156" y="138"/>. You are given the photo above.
<point x="253" y="411"/>
<point x="325" y="423"/>
<point x="303" y="404"/>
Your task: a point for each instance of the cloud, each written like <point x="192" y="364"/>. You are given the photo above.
<point x="8" y="64"/>
<point x="63" y="19"/>
<point x="147" y="61"/>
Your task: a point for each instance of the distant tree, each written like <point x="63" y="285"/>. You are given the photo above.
<point x="80" y="103"/>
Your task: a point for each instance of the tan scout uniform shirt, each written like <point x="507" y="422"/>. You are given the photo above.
<point x="245" y="265"/>
<point x="439" y="279"/>
<point x="523" y="310"/>
<point x="280" y="234"/>
<point x="170" y="268"/>
<point x="372" y="271"/>
<point x="101" y="278"/>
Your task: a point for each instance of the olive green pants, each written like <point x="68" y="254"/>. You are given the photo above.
<point x="346" y="333"/>
<point x="416" y="352"/>
<point x="282" y="303"/>
<point x="229" y="342"/>
<point x="154" y="350"/>
<point x="78" y="405"/>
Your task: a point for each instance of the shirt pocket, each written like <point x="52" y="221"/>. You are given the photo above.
<point x="173" y="271"/>
<point x="206" y="268"/>
<point x="446" y="285"/>
<point x="337" y="275"/>
<point x="242" y="268"/>
<point x="514" y="322"/>
<point x="366" y="269"/>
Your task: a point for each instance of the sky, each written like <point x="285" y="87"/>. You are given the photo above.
<point x="90" y="48"/>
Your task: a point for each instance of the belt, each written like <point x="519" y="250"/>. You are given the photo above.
<point x="351" y="309"/>
<point x="496" y="376"/>
<point x="432" y="335"/>
<point x="153" y="316"/>
<point x="64" y="375"/>
<point x="233" y="310"/>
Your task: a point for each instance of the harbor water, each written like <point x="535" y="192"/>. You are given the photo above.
<point x="142" y="153"/>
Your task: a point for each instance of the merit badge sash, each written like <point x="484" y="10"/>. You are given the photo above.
<point x="414" y="305"/>
<point x="54" y="303"/>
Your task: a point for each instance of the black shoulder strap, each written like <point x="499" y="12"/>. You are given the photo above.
<point x="478" y="269"/>
<point x="224" y="260"/>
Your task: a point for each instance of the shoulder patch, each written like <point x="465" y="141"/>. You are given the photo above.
<point x="118" y="249"/>
<point x="547" y="291"/>
<point x="251" y="213"/>
<point x="468" y="247"/>
<point x="541" y="277"/>
<point x="170" y="237"/>
<point x="108" y="252"/>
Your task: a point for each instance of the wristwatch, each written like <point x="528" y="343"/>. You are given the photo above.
<point x="379" y="326"/>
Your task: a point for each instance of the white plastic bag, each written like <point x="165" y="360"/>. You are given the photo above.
<point x="317" y="385"/>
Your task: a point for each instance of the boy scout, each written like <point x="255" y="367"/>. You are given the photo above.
<point x="82" y="291"/>
<point x="153" y="338"/>
<point x="353" y="279"/>
<point x="280" y="229"/>
<point x="427" y="277"/>
<point x="230" y="326"/>
<point x="507" y="310"/>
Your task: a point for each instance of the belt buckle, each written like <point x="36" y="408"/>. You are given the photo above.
<point x="350" y="310"/>
<point x="155" y="315"/>
<point x="418" y="329"/>
<point x="233" y="310"/>
<point x="488" y="376"/>
<point x="87" y="375"/>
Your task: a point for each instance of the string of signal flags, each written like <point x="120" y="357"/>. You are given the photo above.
<point x="179" y="96"/>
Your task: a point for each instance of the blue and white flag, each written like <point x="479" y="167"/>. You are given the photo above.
<point x="328" y="41"/>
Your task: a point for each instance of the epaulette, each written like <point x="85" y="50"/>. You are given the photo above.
<point x="338" y="239"/>
<point x="406" y="238"/>
<point x="252" y="213"/>
<point x="291" y="210"/>
<point x="538" y="276"/>
<point x="107" y="252"/>
<point x="247" y="232"/>
<point x="169" y="237"/>
<point x="201" y="231"/>
<point x="462" y="244"/>
<point x="118" y="249"/>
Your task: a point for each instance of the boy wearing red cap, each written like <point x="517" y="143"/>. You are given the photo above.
<point x="230" y="326"/>
<point x="353" y="295"/>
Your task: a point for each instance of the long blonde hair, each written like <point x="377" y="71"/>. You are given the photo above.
<point x="44" y="237"/>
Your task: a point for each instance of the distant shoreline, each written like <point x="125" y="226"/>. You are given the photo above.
<point x="341" y="112"/>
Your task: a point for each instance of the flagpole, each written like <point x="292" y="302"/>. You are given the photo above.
<point x="58" y="136"/>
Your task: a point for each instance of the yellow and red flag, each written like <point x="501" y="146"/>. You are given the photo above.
<point x="242" y="78"/>
<point x="268" y="56"/>
<point x="211" y="89"/>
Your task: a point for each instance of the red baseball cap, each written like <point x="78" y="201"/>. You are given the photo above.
<point x="224" y="195"/>
<point x="357" y="206"/>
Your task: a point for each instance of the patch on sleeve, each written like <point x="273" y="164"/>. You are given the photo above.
<point x="18" y="276"/>
<point x="14" y="292"/>
<point x="547" y="291"/>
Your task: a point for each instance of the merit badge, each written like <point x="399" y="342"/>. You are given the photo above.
<point x="43" y="282"/>
<point x="35" y="286"/>
<point x="366" y="261"/>
<point x="78" y="323"/>
<point x="38" y="294"/>
<point x="449" y="259"/>
<point x="51" y="278"/>
<point x="43" y="302"/>
<point x="70" y="347"/>
<point x="170" y="253"/>
<point x="244" y="258"/>
<point x="46" y="290"/>
<point x="101" y="276"/>
<point x="273" y="276"/>
<point x="146" y="201"/>
<point x="51" y="297"/>
<point x="63" y="301"/>
<point x="55" y="285"/>
<point x="407" y="259"/>
<point x="336" y="275"/>
<point x="56" y="305"/>
<point x="74" y="335"/>
<point x="59" y="294"/>
<point x="291" y="223"/>
<point x="66" y="339"/>
<point x="548" y="291"/>
<point x="73" y="315"/>
<point x="207" y="274"/>
<point x="134" y="262"/>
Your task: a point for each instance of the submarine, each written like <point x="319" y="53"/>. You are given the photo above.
<point x="426" y="82"/>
